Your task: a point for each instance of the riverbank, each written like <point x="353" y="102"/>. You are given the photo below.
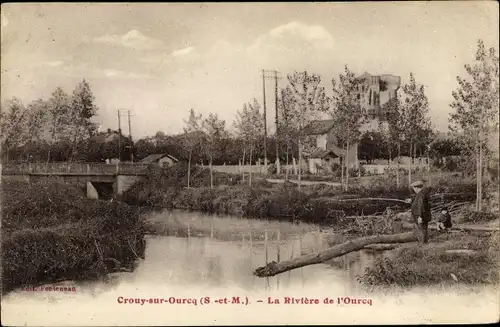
<point x="448" y="259"/>
<point x="51" y="232"/>
<point x="317" y="204"/>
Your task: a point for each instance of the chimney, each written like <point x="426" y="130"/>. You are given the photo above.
<point x="109" y="130"/>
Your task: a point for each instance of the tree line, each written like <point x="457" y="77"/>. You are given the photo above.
<point x="56" y="129"/>
<point x="60" y="129"/>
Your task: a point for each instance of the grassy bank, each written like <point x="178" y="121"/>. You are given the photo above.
<point x="317" y="204"/>
<point x="51" y="232"/>
<point x="443" y="261"/>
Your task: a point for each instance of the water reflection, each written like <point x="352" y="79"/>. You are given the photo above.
<point x="203" y="261"/>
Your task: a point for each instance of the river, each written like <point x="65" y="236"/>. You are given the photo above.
<point x="198" y="270"/>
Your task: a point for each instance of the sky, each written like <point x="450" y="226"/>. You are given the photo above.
<point x="161" y="60"/>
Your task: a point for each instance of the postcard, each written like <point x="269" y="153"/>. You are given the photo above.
<point x="179" y="164"/>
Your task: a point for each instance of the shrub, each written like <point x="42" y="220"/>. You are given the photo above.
<point x="51" y="232"/>
<point x="272" y="169"/>
<point x="354" y="172"/>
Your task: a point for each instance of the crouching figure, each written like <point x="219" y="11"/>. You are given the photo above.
<point x="443" y="220"/>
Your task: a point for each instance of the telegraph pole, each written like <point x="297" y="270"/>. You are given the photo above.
<point x="265" y="119"/>
<point x="119" y="136"/>
<point x="130" y="137"/>
<point x="272" y="74"/>
<point x="276" y="120"/>
<point x="128" y="115"/>
<point x="129" y="127"/>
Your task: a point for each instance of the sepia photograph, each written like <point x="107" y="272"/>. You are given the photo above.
<point x="181" y="164"/>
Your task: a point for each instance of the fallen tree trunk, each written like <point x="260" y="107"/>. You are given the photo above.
<point x="381" y="247"/>
<point x="459" y="227"/>
<point x="475" y="228"/>
<point x="372" y="199"/>
<point x="275" y="268"/>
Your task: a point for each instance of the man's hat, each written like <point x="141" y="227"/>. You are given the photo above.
<point x="417" y="184"/>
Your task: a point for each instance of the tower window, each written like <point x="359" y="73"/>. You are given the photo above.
<point x="383" y="86"/>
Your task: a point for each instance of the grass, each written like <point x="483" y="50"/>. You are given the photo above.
<point x="51" y="232"/>
<point x="411" y="265"/>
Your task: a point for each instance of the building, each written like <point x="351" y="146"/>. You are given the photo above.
<point x="105" y="146"/>
<point x="327" y="153"/>
<point x="161" y="159"/>
<point x="324" y="161"/>
<point x="374" y="93"/>
<point x="110" y="136"/>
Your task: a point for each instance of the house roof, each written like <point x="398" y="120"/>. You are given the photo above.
<point x="317" y="127"/>
<point x="105" y="137"/>
<point x="322" y="153"/>
<point x="364" y="76"/>
<point x="338" y="151"/>
<point x="152" y="158"/>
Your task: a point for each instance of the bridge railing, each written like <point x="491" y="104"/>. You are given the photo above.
<point x="63" y="168"/>
<point x="133" y="168"/>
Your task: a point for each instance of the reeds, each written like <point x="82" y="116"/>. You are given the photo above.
<point x="51" y="232"/>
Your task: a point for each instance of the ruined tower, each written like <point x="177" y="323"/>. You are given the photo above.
<point x="374" y="93"/>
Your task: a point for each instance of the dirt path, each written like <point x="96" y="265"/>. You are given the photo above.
<point x="493" y="225"/>
<point x="302" y="182"/>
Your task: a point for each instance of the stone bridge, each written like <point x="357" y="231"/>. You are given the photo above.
<point x="101" y="180"/>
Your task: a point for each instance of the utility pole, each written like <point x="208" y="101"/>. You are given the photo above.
<point x="119" y="136"/>
<point x="276" y="121"/>
<point x="265" y="119"/>
<point x="128" y="115"/>
<point x="129" y="127"/>
<point x="130" y="138"/>
<point x="272" y="74"/>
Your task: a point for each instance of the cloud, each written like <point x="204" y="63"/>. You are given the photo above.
<point x="163" y="58"/>
<point x="54" y="63"/>
<point x="133" y="39"/>
<point x="137" y="75"/>
<point x="295" y="35"/>
<point x="157" y="58"/>
<point x="182" y="52"/>
<point x="112" y="73"/>
<point x="224" y="47"/>
<point x="313" y="33"/>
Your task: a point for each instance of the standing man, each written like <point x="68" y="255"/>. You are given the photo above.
<point x="420" y="210"/>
